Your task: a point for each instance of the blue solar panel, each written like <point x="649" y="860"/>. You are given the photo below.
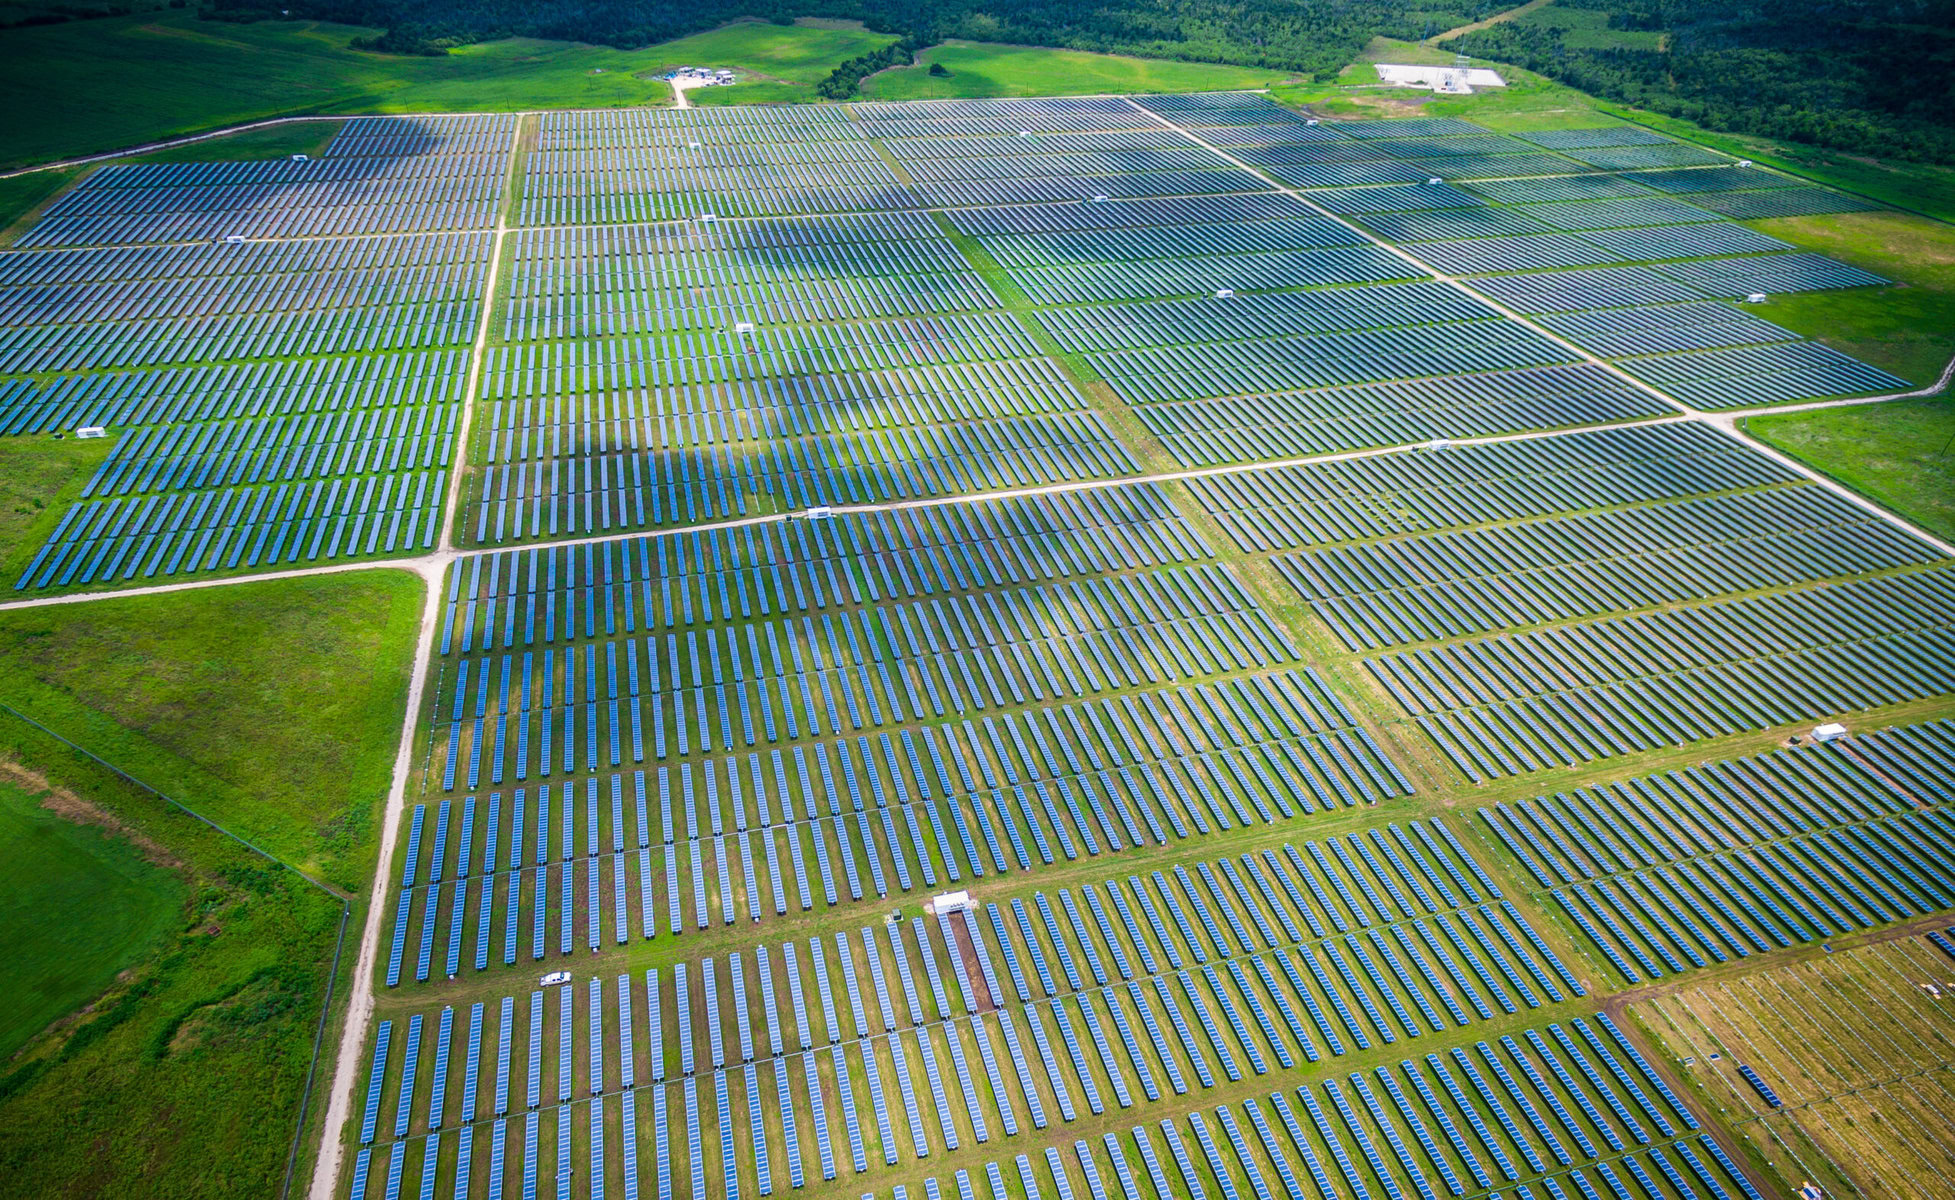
<point x="661" y="1146"/>
<point x="683" y="1008"/>
<point x="410" y="1062"/>
<point x="1023" y="1068"/>
<point x="857" y="1153"/>
<point x="849" y="987"/>
<point x="376" y="1079"/>
<point x="1052" y="1071"/>
<point x="820" y="1115"/>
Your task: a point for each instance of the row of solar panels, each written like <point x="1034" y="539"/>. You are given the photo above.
<point x="1514" y="704"/>
<point x="679" y="1051"/>
<point x="852" y="558"/>
<point x="1317" y="1131"/>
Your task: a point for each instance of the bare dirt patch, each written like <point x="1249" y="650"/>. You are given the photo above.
<point x="70" y="807"/>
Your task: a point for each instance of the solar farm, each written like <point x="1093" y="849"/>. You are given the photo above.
<point x="1080" y="649"/>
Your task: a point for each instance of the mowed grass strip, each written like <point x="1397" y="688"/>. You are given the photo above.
<point x="1897" y="453"/>
<point x="989" y="69"/>
<point x="78" y="904"/>
<point x="273" y="708"/>
<point x="39" y="478"/>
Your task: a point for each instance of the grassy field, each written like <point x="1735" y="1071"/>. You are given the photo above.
<point x="176" y="75"/>
<point x="112" y="902"/>
<point x="185" y="1076"/>
<point x="1856" y="1045"/>
<point x="38" y="478"/>
<point x="1896" y="453"/>
<point x="805" y="52"/>
<point x="987" y="69"/>
<point x="272" y="707"/>
<point x="1909" y="330"/>
<point x="776" y="64"/>
<point x="22" y="194"/>
<point x="275" y="141"/>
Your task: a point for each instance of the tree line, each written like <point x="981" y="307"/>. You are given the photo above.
<point x="1863" y="76"/>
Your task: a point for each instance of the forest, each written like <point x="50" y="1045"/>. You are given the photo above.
<point x="1864" y="76"/>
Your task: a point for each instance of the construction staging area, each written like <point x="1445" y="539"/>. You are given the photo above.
<point x="1095" y="647"/>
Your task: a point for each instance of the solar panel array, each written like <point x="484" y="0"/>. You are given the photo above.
<point x="1340" y="1135"/>
<point x="774" y="717"/>
<point x="1466" y="202"/>
<point x="1715" y="863"/>
<point x="1490" y="579"/>
<point x="1117" y="993"/>
<point x="641" y="734"/>
<point x="1198" y="371"/>
<point x="379" y="175"/>
<point x="282" y="348"/>
<point x="834" y="348"/>
<point x="1590" y="691"/>
<point x="724" y="314"/>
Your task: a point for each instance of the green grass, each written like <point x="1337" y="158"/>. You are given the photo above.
<point x="1897" y="453"/>
<point x="22" y="194"/>
<point x="273" y="708"/>
<point x="184" y="1078"/>
<point x="276" y="141"/>
<point x="753" y="91"/>
<point x="39" y="477"/>
<point x="1908" y="330"/>
<point x="1528" y="101"/>
<point x="987" y="69"/>
<point x="775" y="64"/>
<point x="77" y="905"/>
<point x="806" y="52"/>
<point x="174" y="75"/>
